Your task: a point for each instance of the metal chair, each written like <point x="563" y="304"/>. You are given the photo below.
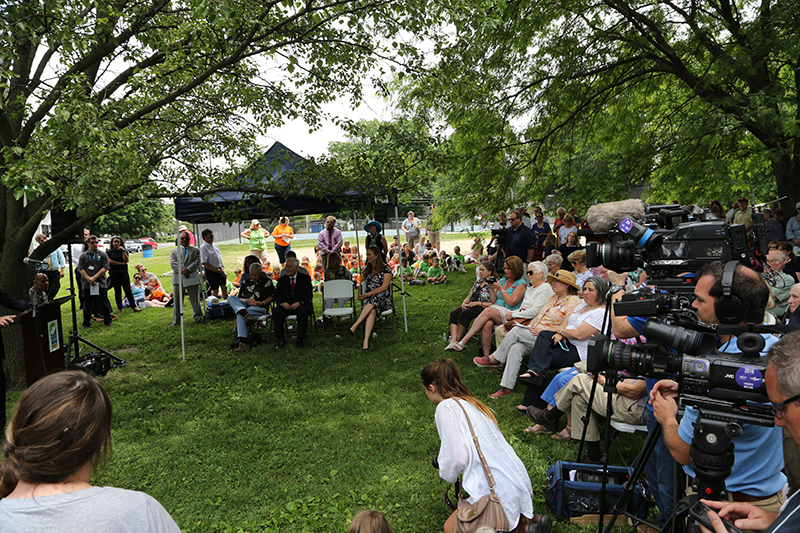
<point x="382" y="321"/>
<point x="337" y="292"/>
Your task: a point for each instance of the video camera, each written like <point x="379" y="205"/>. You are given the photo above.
<point x="674" y="241"/>
<point x="729" y="383"/>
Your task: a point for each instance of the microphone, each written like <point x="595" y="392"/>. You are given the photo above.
<point x="603" y="217"/>
<point x="29" y="261"/>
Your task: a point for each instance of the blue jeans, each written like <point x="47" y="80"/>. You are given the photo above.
<point x="240" y="309"/>
<point x="660" y="470"/>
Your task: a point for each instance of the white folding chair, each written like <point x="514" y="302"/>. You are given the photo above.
<point x="336" y="295"/>
<point x="382" y="322"/>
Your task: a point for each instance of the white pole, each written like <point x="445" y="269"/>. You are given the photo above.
<point x="402" y="282"/>
<point x="178" y="297"/>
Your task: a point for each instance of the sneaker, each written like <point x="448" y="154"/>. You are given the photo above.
<point x="249" y="320"/>
<point x="485" y="362"/>
<point x="502" y="392"/>
<point x="243" y="347"/>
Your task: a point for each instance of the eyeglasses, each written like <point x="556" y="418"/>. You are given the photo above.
<point x="137" y="278"/>
<point x="513" y="218"/>
<point x="781" y="407"/>
<point x="92" y="242"/>
<point x="530" y="272"/>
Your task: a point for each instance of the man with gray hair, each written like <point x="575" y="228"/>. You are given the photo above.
<point x="293" y="296"/>
<point x="774" y="228"/>
<point x="783" y="388"/>
<point x="779" y="282"/>
<point x="255" y="296"/>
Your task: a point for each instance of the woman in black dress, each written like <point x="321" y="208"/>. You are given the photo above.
<point x="376" y="296"/>
<point x="118" y="273"/>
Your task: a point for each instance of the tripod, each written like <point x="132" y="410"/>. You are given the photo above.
<point x="74" y="337"/>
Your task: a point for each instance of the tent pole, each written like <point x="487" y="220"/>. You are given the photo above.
<point x="176" y="300"/>
<point x="402" y="282"/>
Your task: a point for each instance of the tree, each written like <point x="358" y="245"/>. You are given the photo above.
<point x="699" y="94"/>
<point x="106" y="104"/>
<point x="142" y="218"/>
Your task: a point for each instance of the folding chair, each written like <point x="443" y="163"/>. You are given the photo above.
<point x="382" y="318"/>
<point x="337" y="293"/>
<point x="622" y="427"/>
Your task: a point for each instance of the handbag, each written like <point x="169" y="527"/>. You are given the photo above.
<point x="511" y="323"/>
<point x="487" y="511"/>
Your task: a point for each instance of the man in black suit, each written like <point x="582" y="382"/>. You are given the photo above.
<point x="293" y="296"/>
<point x="6" y="300"/>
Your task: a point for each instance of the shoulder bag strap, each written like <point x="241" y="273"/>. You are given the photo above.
<point x="486" y="470"/>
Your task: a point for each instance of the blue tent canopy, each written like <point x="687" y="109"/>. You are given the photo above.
<point x="279" y="161"/>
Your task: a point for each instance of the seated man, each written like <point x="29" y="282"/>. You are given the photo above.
<point x="627" y="406"/>
<point x="255" y="295"/>
<point x="294" y="296"/>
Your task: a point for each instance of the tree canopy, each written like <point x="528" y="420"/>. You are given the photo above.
<point x="686" y="99"/>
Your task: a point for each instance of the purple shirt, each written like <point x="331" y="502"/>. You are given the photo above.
<point x="329" y="241"/>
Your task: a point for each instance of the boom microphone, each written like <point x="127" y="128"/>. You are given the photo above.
<point x="29" y="261"/>
<point x="603" y="217"/>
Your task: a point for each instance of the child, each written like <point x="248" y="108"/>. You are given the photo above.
<point x="237" y="280"/>
<point x="316" y="283"/>
<point x="276" y="272"/>
<point x="394" y="264"/>
<point x="354" y="270"/>
<point x="422" y="268"/>
<point x="306" y="263"/>
<point x="354" y="255"/>
<point x="435" y="273"/>
<point x="346" y="250"/>
<point x="369" y="522"/>
<point x="408" y="273"/>
<point x="458" y="260"/>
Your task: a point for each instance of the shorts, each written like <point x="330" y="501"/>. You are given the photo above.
<point x="261" y="254"/>
<point x="434" y="237"/>
<point x="216" y="279"/>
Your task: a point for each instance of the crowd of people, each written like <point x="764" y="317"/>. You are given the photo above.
<point x="547" y="304"/>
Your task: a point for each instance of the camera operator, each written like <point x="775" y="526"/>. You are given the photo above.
<point x="756" y="475"/>
<point x="783" y="386"/>
<point x="660" y="467"/>
<point x="520" y="239"/>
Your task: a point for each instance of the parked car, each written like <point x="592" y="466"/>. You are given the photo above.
<point x="148" y="240"/>
<point x="103" y="244"/>
<point x="133" y="246"/>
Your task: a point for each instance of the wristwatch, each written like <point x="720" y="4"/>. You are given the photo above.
<point x="616" y="288"/>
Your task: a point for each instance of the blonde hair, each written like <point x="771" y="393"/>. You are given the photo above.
<point x="369" y="521"/>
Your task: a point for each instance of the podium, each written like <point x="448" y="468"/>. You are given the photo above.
<point x="42" y="339"/>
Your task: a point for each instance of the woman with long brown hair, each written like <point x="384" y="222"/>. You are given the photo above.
<point x="458" y="455"/>
<point x="375" y="294"/>
<point x="61" y="431"/>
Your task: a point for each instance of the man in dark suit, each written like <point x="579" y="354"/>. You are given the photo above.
<point x="6" y="300"/>
<point x="293" y="296"/>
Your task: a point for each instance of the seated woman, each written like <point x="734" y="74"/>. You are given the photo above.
<point x="473" y="256"/>
<point x="509" y="292"/>
<point x="537" y="294"/>
<point x="550" y="245"/>
<point x="151" y="280"/>
<point x="578" y="261"/>
<point x="479" y="298"/>
<point x="376" y="295"/>
<point x="459" y="416"/>
<point x="521" y="340"/>
<point x="553" y="263"/>
<point x="61" y="428"/>
<point x="568" y="248"/>
<point x="138" y="290"/>
<point x="568" y="345"/>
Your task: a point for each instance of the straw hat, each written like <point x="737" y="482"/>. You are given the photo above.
<point x="564" y="276"/>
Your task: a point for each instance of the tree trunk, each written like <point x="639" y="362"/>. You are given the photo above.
<point x="787" y="178"/>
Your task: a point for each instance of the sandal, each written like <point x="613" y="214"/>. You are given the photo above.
<point x="530" y="378"/>
<point x="522" y="409"/>
<point x="538" y="429"/>
<point x="564" y="434"/>
<point x="538" y="416"/>
<point x="458" y="347"/>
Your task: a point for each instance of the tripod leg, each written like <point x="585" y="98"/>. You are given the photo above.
<point x="638" y="468"/>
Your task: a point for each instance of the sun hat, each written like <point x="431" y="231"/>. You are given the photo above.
<point x="564" y="276"/>
<point x="255" y="222"/>
<point x="373" y="223"/>
<point x="183" y="227"/>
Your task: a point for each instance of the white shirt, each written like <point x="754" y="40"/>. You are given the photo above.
<point x="458" y="455"/>
<point x="594" y="318"/>
<point x="209" y="253"/>
<point x="535" y="298"/>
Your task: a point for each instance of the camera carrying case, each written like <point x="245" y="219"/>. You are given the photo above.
<point x="573" y="490"/>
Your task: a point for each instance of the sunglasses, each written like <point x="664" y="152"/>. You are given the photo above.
<point x="530" y="272"/>
<point x="92" y="242"/>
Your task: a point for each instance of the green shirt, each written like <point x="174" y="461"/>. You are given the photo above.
<point x="423" y="267"/>
<point x="435" y="272"/>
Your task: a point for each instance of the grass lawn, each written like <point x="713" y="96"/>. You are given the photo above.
<point x="293" y="440"/>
